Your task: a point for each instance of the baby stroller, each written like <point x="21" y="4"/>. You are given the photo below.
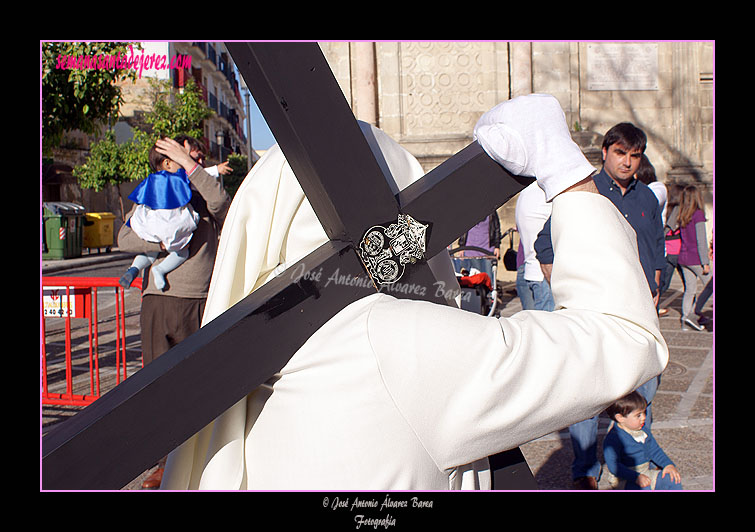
<point x="477" y="276"/>
<point x="477" y="279"/>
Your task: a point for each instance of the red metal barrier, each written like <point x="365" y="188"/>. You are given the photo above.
<point x="76" y="298"/>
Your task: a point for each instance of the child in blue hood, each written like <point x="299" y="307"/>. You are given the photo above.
<point x="163" y="214"/>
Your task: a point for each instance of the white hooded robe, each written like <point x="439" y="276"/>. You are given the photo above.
<point x="406" y="395"/>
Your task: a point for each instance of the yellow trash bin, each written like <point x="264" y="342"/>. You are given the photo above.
<point x="98" y="230"/>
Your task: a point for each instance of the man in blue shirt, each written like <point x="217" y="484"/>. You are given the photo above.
<point x="623" y="146"/>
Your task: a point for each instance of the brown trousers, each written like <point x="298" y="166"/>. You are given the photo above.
<point x="166" y="321"/>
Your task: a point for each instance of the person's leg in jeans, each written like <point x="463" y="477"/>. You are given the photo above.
<point x="667" y="275"/>
<point x="584" y="439"/>
<point x="666" y="483"/>
<point x="541" y="291"/>
<point x="647" y="391"/>
<point x="661" y="484"/>
<point x="668" y="272"/>
<point x="523" y="290"/>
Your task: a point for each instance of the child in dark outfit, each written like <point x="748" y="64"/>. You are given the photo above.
<point x="630" y="451"/>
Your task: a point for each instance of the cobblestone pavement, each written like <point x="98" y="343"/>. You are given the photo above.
<point x="682" y="409"/>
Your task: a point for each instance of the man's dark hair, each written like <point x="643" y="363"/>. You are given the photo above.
<point x="194" y="144"/>
<point x="646" y="171"/>
<point x="626" y="134"/>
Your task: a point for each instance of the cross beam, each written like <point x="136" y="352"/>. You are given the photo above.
<point x="123" y="433"/>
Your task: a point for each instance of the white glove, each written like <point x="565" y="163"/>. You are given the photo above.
<point x="528" y="136"/>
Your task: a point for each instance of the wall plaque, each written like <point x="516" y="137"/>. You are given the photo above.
<point x="622" y="66"/>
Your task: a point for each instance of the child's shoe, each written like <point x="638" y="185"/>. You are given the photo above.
<point x="128" y="277"/>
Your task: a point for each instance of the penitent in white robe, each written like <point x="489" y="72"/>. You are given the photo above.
<point x="405" y="395"/>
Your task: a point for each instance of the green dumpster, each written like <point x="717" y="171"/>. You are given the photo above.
<point x="63" y="229"/>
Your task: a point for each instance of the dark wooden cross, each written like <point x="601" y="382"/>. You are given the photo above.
<point x="129" y="429"/>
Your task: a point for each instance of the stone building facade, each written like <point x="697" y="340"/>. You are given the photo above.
<point x="428" y="95"/>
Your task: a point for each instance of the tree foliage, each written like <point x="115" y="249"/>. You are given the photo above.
<point x="78" y="91"/>
<point x="172" y="114"/>
<point x="178" y="113"/>
<point x="232" y="181"/>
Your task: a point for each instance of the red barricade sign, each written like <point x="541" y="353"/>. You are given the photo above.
<point x="56" y="304"/>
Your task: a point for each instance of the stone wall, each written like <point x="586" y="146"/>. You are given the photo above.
<point x="428" y="95"/>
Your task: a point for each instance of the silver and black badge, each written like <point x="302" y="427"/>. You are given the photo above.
<point x="386" y="251"/>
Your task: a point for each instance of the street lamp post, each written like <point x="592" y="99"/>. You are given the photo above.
<point x="219" y="139"/>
